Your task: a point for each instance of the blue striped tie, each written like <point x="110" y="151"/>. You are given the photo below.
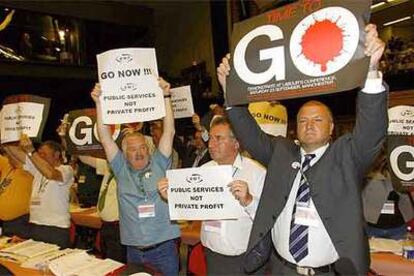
<point x="298" y="239"/>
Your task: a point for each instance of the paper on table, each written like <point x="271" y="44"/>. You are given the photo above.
<point x="82" y="264"/>
<point x="27" y="249"/>
<point x="385" y="245"/>
<point x="44" y="259"/>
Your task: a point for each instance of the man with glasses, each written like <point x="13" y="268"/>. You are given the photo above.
<point x="225" y="241"/>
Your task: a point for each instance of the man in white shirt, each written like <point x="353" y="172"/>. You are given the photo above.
<point x="311" y="202"/>
<point x="225" y="241"/>
<point x="49" y="204"/>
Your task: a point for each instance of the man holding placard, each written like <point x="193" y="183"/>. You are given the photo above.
<point x="49" y="203"/>
<point x="226" y="240"/>
<point x="311" y="203"/>
<point x="145" y="225"/>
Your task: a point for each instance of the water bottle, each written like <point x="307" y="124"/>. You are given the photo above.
<point x="408" y="245"/>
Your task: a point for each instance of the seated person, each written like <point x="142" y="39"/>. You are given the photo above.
<point x="386" y="208"/>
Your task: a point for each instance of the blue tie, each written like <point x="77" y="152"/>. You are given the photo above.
<point x="298" y="239"/>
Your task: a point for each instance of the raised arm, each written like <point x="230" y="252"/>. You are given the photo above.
<point x="249" y="134"/>
<point x="371" y="118"/>
<point x="16" y="153"/>
<point x="44" y="167"/>
<point x="104" y="131"/>
<point x="88" y="160"/>
<point x="166" y="141"/>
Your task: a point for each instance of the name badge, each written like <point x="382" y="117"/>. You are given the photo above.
<point x="213" y="226"/>
<point x="81" y="179"/>
<point x="388" y="208"/>
<point x="306" y="216"/>
<point x="35" y="201"/>
<point x="146" y="211"/>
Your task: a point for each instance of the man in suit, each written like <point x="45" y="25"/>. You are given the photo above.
<point x="311" y="200"/>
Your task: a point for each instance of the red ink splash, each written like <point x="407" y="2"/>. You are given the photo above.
<point x="322" y="42"/>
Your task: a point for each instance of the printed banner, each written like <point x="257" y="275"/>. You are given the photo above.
<point x="271" y="117"/>
<point x="23" y="114"/>
<point x="182" y="102"/>
<point x="130" y="91"/>
<point x="82" y="135"/>
<point x="309" y="47"/>
<point x="202" y="194"/>
<point x="401" y="146"/>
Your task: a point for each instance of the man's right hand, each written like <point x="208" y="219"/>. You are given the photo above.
<point x="223" y="71"/>
<point x="96" y="93"/>
<point x="163" y="187"/>
<point x="196" y="121"/>
<point x="26" y="144"/>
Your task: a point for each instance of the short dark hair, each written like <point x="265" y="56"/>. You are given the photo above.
<point x="55" y="146"/>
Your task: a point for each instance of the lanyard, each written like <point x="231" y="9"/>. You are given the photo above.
<point x="235" y="171"/>
<point x="143" y="176"/>
<point x="5" y="181"/>
<point x="43" y="183"/>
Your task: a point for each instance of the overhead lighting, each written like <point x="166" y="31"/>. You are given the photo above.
<point x="377" y="5"/>
<point x="390" y="1"/>
<point x="397" y="20"/>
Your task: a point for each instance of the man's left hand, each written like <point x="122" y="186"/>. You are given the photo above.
<point x="374" y="46"/>
<point x="240" y="191"/>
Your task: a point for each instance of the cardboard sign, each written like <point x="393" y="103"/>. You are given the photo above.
<point x="271" y="117"/>
<point x="82" y="135"/>
<point x="401" y="120"/>
<point x="309" y="47"/>
<point x="401" y="146"/>
<point x="130" y="90"/>
<point x="202" y="194"/>
<point x="182" y="102"/>
<point x="23" y="114"/>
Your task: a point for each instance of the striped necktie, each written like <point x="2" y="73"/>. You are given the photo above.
<point x="298" y="239"/>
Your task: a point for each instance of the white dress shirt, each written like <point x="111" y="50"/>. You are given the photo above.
<point x="230" y="237"/>
<point x="321" y="250"/>
<point x="49" y="203"/>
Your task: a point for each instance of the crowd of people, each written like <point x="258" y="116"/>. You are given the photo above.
<point x="301" y="205"/>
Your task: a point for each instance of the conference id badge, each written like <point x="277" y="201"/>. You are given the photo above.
<point x="82" y="179"/>
<point x="35" y="201"/>
<point x="213" y="226"/>
<point x="305" y="215"/>
<point x="146" y="210"/>
<point x="388" y="208"/>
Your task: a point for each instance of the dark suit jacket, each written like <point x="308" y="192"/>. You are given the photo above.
<point x="335" y="180"/>
<point x="188" y="159"/>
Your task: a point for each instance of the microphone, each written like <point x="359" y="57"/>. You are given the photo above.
<point x="295" y="165"/>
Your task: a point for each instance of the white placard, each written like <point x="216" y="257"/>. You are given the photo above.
<point x="202" y="194"/>
<point x="401" y="120"/>
<point x="182" y="102"/>
<point x="130" y="91"/>
<point x="20" y="118"/>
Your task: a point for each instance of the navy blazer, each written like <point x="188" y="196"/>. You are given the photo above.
<point x="335" y="180"/>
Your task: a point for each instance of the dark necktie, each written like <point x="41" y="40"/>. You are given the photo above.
<point x="298" y="239"/>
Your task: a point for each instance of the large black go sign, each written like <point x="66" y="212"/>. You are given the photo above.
<point x="401" y="160"/>
<point x="306" y="48"/>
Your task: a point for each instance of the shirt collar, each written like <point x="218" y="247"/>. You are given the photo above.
<point x="318" y="153"/>
<point x="238" y="162"/>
